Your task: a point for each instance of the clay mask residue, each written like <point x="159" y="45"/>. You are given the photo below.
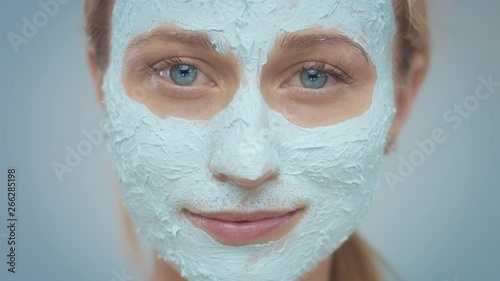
<point x="166" y="164"/>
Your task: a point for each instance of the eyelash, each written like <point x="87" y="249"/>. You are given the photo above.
<point x="322" y="65"/>
<point x="168" y="62"/>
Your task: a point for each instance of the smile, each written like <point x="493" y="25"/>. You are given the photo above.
<point x="242" y="228"/>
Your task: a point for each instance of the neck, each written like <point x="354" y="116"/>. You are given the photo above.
<point x="164" y="271"/>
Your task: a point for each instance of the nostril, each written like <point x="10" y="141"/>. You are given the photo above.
<point x="246" y="182"/>
<point x="273" y="176"/>
<point x="220" y="177"/>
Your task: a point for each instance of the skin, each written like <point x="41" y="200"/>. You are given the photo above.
<point x="281" y="88"/>
<point x="304" y="110"/>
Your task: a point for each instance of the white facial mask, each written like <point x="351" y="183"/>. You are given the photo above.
<point x="165" y="165"/>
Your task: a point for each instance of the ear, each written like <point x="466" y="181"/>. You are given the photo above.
<point x="97" y="74"/>
<point x="405" y="93"/>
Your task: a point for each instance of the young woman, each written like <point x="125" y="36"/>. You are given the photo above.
<point x="248" y="135"/>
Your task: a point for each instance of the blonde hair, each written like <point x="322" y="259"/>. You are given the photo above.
<point x="354" y="260"/>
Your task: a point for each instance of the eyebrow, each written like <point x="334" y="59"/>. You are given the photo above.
<point x="288" y="43"/>
<point x="298" y="42"/>
<point x="197" y="40"/>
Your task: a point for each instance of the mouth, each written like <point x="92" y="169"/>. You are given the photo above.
<point x="238" y="228"/>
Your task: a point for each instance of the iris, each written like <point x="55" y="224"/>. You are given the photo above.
<point x="313" y="79"/>
<point x="183" y="74"/>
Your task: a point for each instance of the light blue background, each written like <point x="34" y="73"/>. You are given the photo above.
<point x="442" y="223"/>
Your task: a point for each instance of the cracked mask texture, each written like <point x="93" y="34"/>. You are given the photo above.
<point x="165" y="165"/>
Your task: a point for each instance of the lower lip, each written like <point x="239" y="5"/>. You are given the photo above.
<point x="241" y="233"/>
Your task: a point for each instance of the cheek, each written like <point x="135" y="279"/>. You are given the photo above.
<point x="332" y="160"/>
<point x="160" y="153"/>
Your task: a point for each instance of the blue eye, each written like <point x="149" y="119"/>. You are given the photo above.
<point x="183" y="74"/>
<point x="313" y="79"/>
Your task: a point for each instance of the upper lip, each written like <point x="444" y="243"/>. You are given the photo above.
<point x="242" y="216"/>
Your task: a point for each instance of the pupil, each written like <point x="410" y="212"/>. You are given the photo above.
<point x="313" y="78"/>
<point x="184" y="70"/>
<point x="183" y="74"/>
<point x="313" y="75"/>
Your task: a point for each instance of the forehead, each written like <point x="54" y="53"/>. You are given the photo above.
<point x="252" y="26"/>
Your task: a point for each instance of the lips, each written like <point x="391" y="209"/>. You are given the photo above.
<point x="240" y="228"/>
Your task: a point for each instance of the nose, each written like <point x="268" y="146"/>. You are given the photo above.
<point x="245" y="156"/>
<point x="244" y="182"/>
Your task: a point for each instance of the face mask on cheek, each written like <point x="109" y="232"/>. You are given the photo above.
<point x="167" y="165"/>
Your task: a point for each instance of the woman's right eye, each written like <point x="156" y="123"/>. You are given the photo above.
<point x="181" y="74"/>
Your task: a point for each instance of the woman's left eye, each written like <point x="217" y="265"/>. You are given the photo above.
<point x="181" y="74"/>
<point x="317" y="76"/>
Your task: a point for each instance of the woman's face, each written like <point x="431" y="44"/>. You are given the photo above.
<point x="248" y="135"/>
